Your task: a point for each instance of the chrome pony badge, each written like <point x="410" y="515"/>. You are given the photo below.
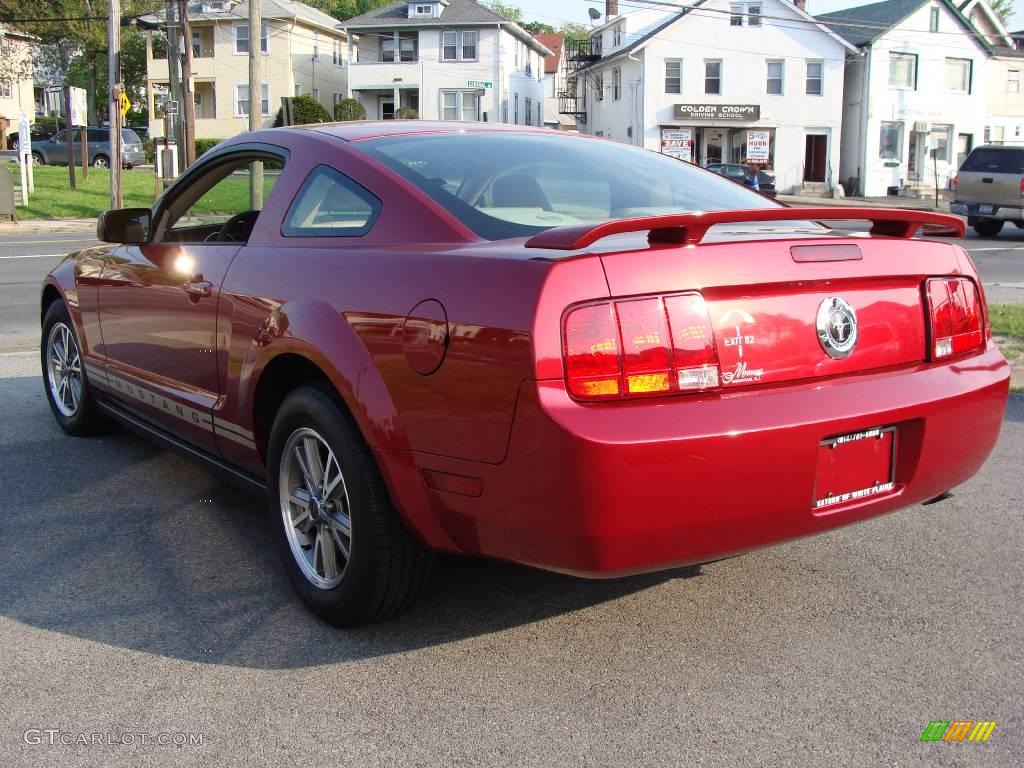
<point x="837" y="327"/>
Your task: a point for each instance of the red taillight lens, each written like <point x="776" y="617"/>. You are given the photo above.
<point x="639" y="347"/>
<point x="956" y="317"/>
<point x="956" y="182"/>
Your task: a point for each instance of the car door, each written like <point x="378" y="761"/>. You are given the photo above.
<point x="158" y="301"/>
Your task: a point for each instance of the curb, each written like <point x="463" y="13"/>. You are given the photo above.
<point x="30" y="226"/>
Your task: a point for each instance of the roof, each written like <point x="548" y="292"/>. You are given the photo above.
<point x="863" y="24"/>
<point x="456" y="13"/>
<point x="642" y="41"/>
<point x="239" y="12"/>
<point x="554" y="41"/>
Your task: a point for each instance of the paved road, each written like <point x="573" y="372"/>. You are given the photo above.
<point x="139" y="595"/>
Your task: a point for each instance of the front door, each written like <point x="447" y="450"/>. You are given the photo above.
<point x="158" y="301"/>
<point x="916" y="156"/>
<point x="964" y="145"/>
<point x="387" y="107"/>
<point x="815" y="157"/>
<point x="714" y="145"/>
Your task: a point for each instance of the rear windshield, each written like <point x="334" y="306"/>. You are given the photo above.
<point x="129" y="136"/>
<point x="992" y="160"/>
<point x="504" y="185"/>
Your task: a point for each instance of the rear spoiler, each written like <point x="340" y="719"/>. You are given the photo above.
<point x="690" y="228"/>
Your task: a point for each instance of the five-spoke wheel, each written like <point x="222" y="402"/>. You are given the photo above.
<point x="64" y="369"/>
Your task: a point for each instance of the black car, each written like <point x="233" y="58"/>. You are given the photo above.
<point x="37" y="131"/>
<point x="738" y="172"/>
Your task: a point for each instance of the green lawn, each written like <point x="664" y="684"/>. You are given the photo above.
<point x="53" y="198"/>
<point x="1008" y="330"/>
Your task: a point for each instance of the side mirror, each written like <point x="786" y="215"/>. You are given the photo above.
<point x="127" y="226"/>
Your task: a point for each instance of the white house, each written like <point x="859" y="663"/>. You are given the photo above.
<point x="1004" y="123"/>
<point x="554" y="66"/>
<point x="919" y="82"/>
<point x="16" y="95"/>
<point x="447" y="60"/>
<point x="303" y="53"/>
<point x="718" y="81"/>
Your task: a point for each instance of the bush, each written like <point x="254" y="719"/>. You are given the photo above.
<point x="305" y="110"/>
<point x="407" y="113"/>
<point x="349" y="109"/>
<point x="147" y="149"/>
<point x="205" y="145"/>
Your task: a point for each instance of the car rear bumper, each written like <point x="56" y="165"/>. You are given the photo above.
<point x="605" y="490"/>
<point x="987" y="211"/>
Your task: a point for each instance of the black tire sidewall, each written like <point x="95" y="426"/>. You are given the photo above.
<point x="352" y="599"/>
<point x="87" y="419"/>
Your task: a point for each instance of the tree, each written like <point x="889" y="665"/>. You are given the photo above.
<point x="537" y="27"/>
<point x="349" y="109"/>
<point x="510" y="12"/>
<point x="1003" y="9"/>
<point x="305" y="110"/>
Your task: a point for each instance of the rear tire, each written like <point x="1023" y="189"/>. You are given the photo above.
<point x="989" y="227"/>
<point x="37" y="159"/>
<point x="346" y="551"/>
<point x="64" y="376"/>
<point x="101" y="161"/>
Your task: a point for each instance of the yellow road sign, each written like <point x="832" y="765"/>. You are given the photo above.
<point x="125" y="104"/>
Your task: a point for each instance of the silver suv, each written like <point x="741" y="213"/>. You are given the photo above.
<point x="990" y="188"/>
<point x="54" y="151"/>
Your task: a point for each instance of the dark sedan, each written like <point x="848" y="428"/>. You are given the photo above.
<point x="738" y="172"/>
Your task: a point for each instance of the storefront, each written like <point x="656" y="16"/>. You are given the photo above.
<point x="719" y="133"/>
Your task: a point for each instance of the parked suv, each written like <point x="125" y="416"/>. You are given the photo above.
<point x="55" y="150"/>
<point x="989" y="188"/>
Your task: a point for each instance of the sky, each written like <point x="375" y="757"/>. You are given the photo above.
<point x="554" y="12"/>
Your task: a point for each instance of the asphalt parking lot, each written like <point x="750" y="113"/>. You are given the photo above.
<point x="139" y="596"/>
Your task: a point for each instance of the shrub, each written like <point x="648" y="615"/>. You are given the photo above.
<point x="349" y="109"/>
<point x="205" y="145"/>
<point x="407" y="113"/>
<point x="305" y="110"/>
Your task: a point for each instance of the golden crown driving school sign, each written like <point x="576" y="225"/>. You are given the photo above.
<point x="717" y="112"/>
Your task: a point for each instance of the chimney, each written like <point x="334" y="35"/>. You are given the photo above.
<point x="801" y="4"/>
<point x="611" y="8"/>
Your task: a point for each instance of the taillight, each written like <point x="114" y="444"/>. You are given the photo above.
<point x="640" y="347"/>
<point x="956" y="182"/>
<point x="957" y="326"/>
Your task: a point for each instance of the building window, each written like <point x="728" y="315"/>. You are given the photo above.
<point x="407" y="47"/>
<point x="775" y="76"/>
<point x="815" y="79"/>
<point x="242" y="100"/>
<point x="197" y="45"/>
<point x="890" y="142"/>
<point x="469" y="40"/>
<point x="424" y="10"/>
<point x="616" y="84"/>
<point x="712" y="76"/>
<point x="903" y="71"/>
<point x="449" y="45"/>
<point x="933" y="20"/>
<point x="242" y="38"/>
<point x="336" y="52"/>
<point x="515" y="114"/>
<point x="616" y="35"/>
<point x="673" y="76"/>
<point x="316" y="94"/>
<point x="958" y="75"/>
<point x="942" y="142"/>
<point x="754" y="15"/>
<point x="599" y="87"/>
<point x="7" y="89"/>
<point x="1013" y="81"/>
<point x="740" y="11"/>
<point x="528" y="106"/>
<point x="597" y="44"/>
<point x="736" y="14"/>
<point x="298" y="89"/>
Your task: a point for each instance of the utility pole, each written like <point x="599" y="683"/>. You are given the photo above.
<point x="188" y="107"/>
<point x="255" y="98"/>
<point x="174" y="84"/>
<point x="114" y="65"/>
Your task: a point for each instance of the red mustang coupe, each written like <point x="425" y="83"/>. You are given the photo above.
<point x="421" y="337"/>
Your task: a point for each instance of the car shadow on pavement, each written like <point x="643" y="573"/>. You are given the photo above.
<point x="113" y="540"/>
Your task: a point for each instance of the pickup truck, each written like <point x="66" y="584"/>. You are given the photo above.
<point x="989" y="188"/>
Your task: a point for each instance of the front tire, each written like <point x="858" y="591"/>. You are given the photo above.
<point x="37" y="159"/>
<point x="989" y="227"/>
<point x="67" y="384"/>
<point x="346" y="551"/>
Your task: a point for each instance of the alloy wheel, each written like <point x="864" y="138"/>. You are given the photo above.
<point x="315" y="508"/>
<point x="64" y="369"/>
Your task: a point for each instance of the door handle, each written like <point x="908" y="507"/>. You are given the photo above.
<point x="198" y="289"/>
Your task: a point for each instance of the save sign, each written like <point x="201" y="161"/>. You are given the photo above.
<point x="757" y="146"/>
<point x="677" y="143"/>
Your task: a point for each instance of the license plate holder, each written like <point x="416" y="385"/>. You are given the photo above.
<point x="854" y="467"/>
<point x="986" y="209"/>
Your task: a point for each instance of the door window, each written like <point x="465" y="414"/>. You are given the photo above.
<point x="217" y="206"/>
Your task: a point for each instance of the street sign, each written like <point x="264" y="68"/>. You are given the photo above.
<point x="171" y="108"/>
<point x="125" y="104"/>
<point x="79" y="106"/>
<point x="758" y="146"/>
<point x="479" y="84"/>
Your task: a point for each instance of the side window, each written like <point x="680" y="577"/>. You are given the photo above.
<point x="330" y="204"/>
<point x="217" y="206"/>
<point x="98" y="134"/>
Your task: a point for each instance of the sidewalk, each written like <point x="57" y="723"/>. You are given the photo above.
<point x="37" y="226"/>
<point x="892" y="201"/>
